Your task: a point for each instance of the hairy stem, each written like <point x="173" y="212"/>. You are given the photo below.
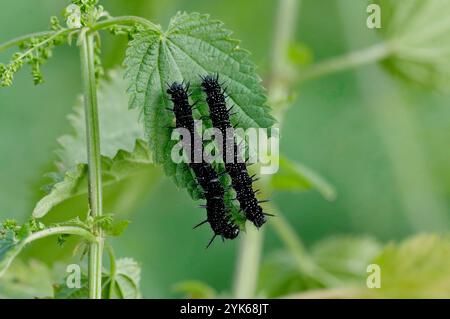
<point x="16" y="41"/>
<point x="61" y="230"/>
<point x="112" y="270"/>
<point x="125" y="20"/>
<point x="44" y="42"/>
<point x="94" y="161"/>
<point x="351" y="60"/>
<point x="247" y="267"/>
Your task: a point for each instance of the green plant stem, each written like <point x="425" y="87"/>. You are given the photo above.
<point x="351" y="60"/>
<point x="112" y="270"/>
<point x="61" y="230"/>
<point x="124" y="20"/>
<point x="247" y="266"/>
<point x="49" y="34"/>
<point x="16" y="41"/>
<point x="296" y="248"/>
<point x="94" y="161"/>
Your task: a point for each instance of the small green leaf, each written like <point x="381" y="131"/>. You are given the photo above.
<point x="70" y="186"/>
<point x="193" y="289"/>
<point x="417" y="33"/>
<point x="116" y="229"/>
<point x="127" y="279"/>
<point x="296" y="177"/>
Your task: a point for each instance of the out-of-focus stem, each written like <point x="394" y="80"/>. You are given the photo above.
<point x="247" y="268"/>
<point x="348" y="61"/>
<point x="246" y="276"/>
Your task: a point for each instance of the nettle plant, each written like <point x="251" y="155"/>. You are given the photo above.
<point x="96" y="155"/>
<point x="193" y="45"/>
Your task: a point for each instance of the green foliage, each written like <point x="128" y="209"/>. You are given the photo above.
<point x="110" y="227"/>
<point x="14" y="237"/>
<point x="418" y="34"/>
<point x="35" y="52"/>
<point x="127" y="277"/>
<point x="126" y="283"/>
<point x="10" y="246"/>
<point x="295" y="177"/>
<point x="62" y="291"/>
<point x="346" y="257"/>
<point x="82" y="13"/>
<point x="124" y="152"/>
<point x="193" y="45"/>
<point x="339" y="261"/>
<point x="13" y="240"/>
<point x="64" y="187"/>
<point x="193" y="289"/>
<point x="416" y="268"/>
<point x="31" y="279"/>
<point x="281" y="275"/>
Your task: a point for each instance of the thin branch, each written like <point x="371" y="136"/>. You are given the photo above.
<point x="124" y="20"/>
<point x="49" y="34"/>
<point x="61" y="230"/>
<point x="351" y="60"/>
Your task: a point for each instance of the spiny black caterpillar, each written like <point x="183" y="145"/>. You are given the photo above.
<point x="241" y="181"/>
<point x="207" y="177"/>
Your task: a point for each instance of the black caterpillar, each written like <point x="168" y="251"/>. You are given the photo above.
<point x="241" y="181"/>
<point x="206" y="176"/>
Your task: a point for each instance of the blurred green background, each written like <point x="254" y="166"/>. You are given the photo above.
<point x="383" y="144"/>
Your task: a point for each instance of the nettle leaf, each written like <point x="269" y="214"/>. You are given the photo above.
<point x="295" y="177"/>
<point x="342" y="258"/>
<point x="119" y="127"/>
<point x="127" y="279"/>
<point x="10" y="246"/>
<point x="193" y="45"/>
<point x="280" y="275"/>
<point x="30" y="279"/>
<point x="62" y="291"/>
<point x="416" y="268"/>
<point x="346" y="257"/>
<point x="13" y="239"/>
<point x="124" y="150"/>
<point x="126" y="283"/>
<point x="417" y="34"/>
